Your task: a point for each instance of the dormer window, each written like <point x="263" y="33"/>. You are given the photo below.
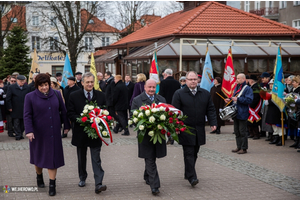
<point x="14" y="20"/>
<point x="91" y="21"/>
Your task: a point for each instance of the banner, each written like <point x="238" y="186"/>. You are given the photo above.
<point x="207" y="81"/>
<point x="34" y="66"/>
<point x="229" y="80"/>
<point x="154" y="72"/>
<point x="278" y="87"/>
<point x="94" y="72"/>
<point x="67" y="72"/>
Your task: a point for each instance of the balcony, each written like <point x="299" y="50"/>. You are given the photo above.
<point x="267" y="11"/>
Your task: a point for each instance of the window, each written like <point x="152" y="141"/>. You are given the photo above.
<point x="296" y="3"/>
<point x="53" y="21"/>
<point x="270" y="4"/>
<point x="284" y="22"/>
<point x="35" y="42"/>
<point x="282" y="4"/>
<point x="14" y="20"/>
<point x="91" y="21"/>
<point x="35" y="20"/>
<point x="53" y="43"/>
<point x="88" y="43"/>
<point x="257" y="5"/>
<point x="296" y="23"/>
<point x="246" y="6"/>
<point x="87" y="68"/>
<point x="57" y="68"/>
<point x="105" y="41"/>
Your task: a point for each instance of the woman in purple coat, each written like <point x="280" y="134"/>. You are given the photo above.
<point x="139" y="86"/>
<point x="42" y="122"/>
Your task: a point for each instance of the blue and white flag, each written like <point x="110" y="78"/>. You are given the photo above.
<point x="207" y="81"/>
<point x="67" y="72"/>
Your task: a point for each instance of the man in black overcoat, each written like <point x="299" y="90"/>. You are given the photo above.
<point x="102" y="83"/>
<point x="10" y="130"/>
<point x="71" y="87"/>
<point x="167" y="89"/>
<point x="80" y="139"/>
<point x="15" y="104"/>
<point x="147" y="149"/>
<point x="130" y="87"/>
<point x="120" y="103"/>
<point x="194" y="102"/>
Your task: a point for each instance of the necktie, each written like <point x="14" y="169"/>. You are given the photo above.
<point x="194" y="92"/>
<point x="151" y="98"/>
<point x="89" y="96"/>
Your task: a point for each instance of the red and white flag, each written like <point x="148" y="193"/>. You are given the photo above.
<point x="154" y="72"/>
<point x="229" y="80"/>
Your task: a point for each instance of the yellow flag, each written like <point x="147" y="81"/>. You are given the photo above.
<point x="34" y="66"/>
<point x="94" y="72"/>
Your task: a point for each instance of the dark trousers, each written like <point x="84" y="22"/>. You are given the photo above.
<point x="253" y="131"/>
<point x="112" y="112"/>
<point x="18" y="127"/>
<point x="240" y="130"/>
<point x="190" y="154"/>
<point x="96" y="164"/>
<point x="9" y="123"/>
<point x="123" y="118"/>
<point x="151" y="173"/>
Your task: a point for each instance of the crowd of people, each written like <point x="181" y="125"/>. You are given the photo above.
<point x="46" y="112"/>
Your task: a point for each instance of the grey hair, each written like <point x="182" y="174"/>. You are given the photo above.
<point x="99" y="73"/>
<point x="191" y="72"/>
<point x="35" y="74"/>
<point x="291" y="77"/>
<point x="87" y="74"/>
<point x="169" y="71"/>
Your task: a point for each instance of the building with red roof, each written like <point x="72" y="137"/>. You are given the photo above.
<point x="254" y="41"/>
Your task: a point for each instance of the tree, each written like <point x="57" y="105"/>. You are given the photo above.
<point x="15" y="56"/>
<point x="10" y="15"/>
<point x="71" y="21"/>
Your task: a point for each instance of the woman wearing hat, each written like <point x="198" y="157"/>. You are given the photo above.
<point x="43" y="112"/>
<point x="55" y="86"/>
<point x="218" y="102"/>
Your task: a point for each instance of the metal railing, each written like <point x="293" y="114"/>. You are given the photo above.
<point x="265" y="11"/>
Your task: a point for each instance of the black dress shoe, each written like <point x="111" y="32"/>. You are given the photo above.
<point x="100" y="188"/>
<point x="18" y="138"/>
<point x="64" y="135"/>
<point x="194" y="182"/>
<point x="155" y="191"/>
<point x="11" y="135"/>
<point x="81" y="183"/>
<point x="213" y="131"/>
<point x="250" y="136"/>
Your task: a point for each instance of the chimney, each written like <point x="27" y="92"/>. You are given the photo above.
<point x="104" y="21"/>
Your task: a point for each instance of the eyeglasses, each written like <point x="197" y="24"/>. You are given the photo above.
<point x="13" y="81"/>
<point x="192" y="79"/>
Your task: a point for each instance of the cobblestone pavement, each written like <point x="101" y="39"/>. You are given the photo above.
<point x="265" y="172"/>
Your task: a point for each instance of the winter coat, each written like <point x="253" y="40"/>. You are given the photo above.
<point x="243" y="101"/>
<point x="168" y="87"/>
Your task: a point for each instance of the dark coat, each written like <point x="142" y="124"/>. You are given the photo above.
<point x="273" y="115"/>
<point x="138" y="89"/>
<point x="120" y="96"/>
<point x="2" y="107"/>
<point x="218" y="102"/>
<point x="77" y="102"/>
<point x="243" y="101"/>
<point x="68" y="91"/>
<point x="130" y="88"/>
<point x="195" y="107"/>
<point x="15" y="100"/>
<point x="42" y="118"/>
<point x="147" y="149"/>
<point x="110" y="84"/>
<point x="254" y="104"/>
<point x="168" y="87"/>
<point x="102" y="85"/>
<point x="79" y="84"/>
<point x="31" y="85"/>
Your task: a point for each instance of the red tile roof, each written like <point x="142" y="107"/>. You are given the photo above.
<point x="100" y="52"/>
<point x="148" y="19"/>
<point x="18" y="12"/>
<point x="210" y="19"/>
<point x="97" y="26"/>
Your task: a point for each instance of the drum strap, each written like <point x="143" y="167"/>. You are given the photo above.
<point x="240" y="94"/>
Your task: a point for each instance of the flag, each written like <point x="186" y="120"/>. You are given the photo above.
<point x="94" y="72"/>
<point x="278" y="87"/>
<point x="207" y="81"/>
<point x="154" y="72"/>
<point x="34" y="66"/>
<point x="229" y="80"/>
<point x="67" y="72"/>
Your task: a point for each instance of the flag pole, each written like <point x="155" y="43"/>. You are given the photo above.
<point x="282" y="127"/>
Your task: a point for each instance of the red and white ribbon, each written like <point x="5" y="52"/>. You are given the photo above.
<point x="164" y="105"/>
<point x="97" y="113"/>
<point x="254" y="116"/>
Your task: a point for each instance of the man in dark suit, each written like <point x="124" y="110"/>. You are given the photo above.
<point x="167" y="89"/>
<point x="195" y="103"/>
<point x="147" y="149"/>
<point x="31" y="85"/>
<point x="78" y="76"/>
<point x="10" y="130"/>
<point x="15" y="104"/>
<point x="102" y="83"/>
<point x="120" y="103"/>
<point x="80" y="139"/>
<point x="130" y="87"/>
